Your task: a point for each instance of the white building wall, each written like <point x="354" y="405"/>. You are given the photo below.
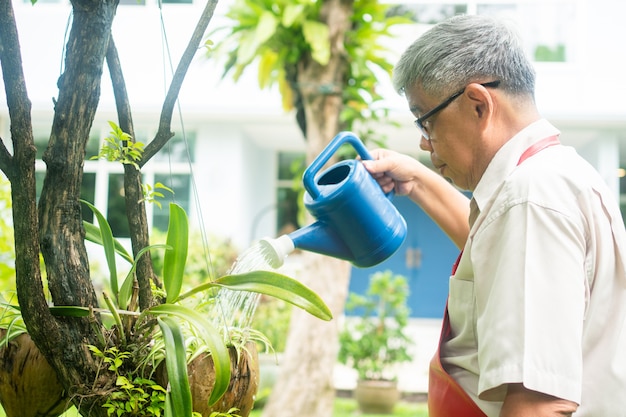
<point x="240" y="129"/>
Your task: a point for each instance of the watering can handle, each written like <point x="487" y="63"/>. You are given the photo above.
<point x="341" y="138"/>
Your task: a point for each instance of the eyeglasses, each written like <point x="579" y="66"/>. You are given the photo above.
<point x="419" y="122"/>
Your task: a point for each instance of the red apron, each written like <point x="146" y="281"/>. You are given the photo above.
<point x="446" y="398"/>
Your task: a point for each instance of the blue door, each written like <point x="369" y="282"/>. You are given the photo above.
<point x="425" y="259"/>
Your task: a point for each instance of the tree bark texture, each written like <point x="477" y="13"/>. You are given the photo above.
<point x="305" y="385"/>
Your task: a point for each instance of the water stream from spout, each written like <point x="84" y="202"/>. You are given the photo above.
<point x="237" y="308"/>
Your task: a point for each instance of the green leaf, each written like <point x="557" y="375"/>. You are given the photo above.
<point x="109" y="246"/>
<point x="169" y="409"/>
<point x="78" y="311"/>
<point x="272" y="284"/>
<point x="175" y="258"/>
<point x="92" y="234"/>
<point x="292" y="13"/>
<point x="317" y="36"/>
<point x="251" y="42"/>
<point x="267" y="64"/>
<point x="70" y="311"/>
<point x="176" y="364"/>
<point x="116" y="317"/>
<point x="127" y="285"/>
<point x="211" y="337"/>
<point x="266" y="27"/>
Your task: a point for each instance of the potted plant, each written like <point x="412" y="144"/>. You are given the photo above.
<point x="169" y="359"/>
<point x="375" y="341"/>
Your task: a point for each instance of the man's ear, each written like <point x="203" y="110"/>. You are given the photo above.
<point x="480" y="100"/>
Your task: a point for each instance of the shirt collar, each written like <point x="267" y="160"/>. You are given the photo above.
<point x="505" y="160"/>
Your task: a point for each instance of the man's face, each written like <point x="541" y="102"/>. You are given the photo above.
<point x="455" y="142"/>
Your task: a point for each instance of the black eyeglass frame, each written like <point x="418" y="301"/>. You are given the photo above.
<point x="419" y="122"/>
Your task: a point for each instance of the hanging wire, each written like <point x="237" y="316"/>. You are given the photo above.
<point x="226" y="297"/>
<point x="66" y="35"/>
<point x="167" y="61"/>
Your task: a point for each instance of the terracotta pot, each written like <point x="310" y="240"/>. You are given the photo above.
<point x="377" y="396"/>
<point x="29" y="387"/>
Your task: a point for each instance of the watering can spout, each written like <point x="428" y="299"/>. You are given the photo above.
<point x="315" y="237"/>
<point x="276" y="250"/>
<point x="320" y="238"/>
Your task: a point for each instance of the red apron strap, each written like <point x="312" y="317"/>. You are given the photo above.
<point x="539" y="146"/>
<point x="446" y="398"/>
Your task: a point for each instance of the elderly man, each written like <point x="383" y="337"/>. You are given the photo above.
<point x="535" y="323"/>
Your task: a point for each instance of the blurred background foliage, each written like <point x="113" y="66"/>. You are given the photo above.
<point x="7" y="254"/>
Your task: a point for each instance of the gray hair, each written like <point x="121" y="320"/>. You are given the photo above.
<point x="465" y="49"/>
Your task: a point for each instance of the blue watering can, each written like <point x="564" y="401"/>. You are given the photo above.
<point x="356" y="221"/>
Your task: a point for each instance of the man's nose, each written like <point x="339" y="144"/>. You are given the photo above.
<point x="425" y="144"/>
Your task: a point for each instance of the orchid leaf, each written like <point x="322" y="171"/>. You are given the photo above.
<point x="211" y="337"/>
<point x="70" y="311"/>
<point x="92" y="234"/>
<point x="176" y="364"/>
<point x="127" y="285"/>
<point x="273" y="284"/>
<point x="78" y="311"/>
<point x="175" y="258"/>
<point x="106" y="234"/>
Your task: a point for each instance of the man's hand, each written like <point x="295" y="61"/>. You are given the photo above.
<point x="448" y="207"/>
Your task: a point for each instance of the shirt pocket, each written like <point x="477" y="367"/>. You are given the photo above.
<point x="462" y="312"/>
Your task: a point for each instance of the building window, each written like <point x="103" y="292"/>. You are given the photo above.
<point x="546" y="27"/>
<point x="87" y="193"/>
<point x="132" y="2"/>
<point x="103" y="181"/>
<point x="181" y="185"/>
<point x="289" y="193"/>
<point x="622" y="191"/>
<point x="116" y="206"/>
<point x="430" y="13"/>
<point x="177" y="149"/>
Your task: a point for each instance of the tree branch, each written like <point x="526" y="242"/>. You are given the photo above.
<point x="164" y="133"/>
<point x="17" y="97"/>
<point x="20" y="169"/>
<point x="135" y="207"/>
<point x="6" y="160"/>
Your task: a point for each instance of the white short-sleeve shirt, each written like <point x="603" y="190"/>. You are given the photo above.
<point x="539" y="296"/>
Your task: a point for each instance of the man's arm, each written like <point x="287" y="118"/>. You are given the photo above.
<point x="522" y="402"/>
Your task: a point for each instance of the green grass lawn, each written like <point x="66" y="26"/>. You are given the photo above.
<point x="347" y="407"/>
<point x="344" y="407"/>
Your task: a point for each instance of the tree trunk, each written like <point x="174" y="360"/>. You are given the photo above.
<point x="305" y="384"/>
<point x="57" y="231"/>
<point x="305" y="387"/>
